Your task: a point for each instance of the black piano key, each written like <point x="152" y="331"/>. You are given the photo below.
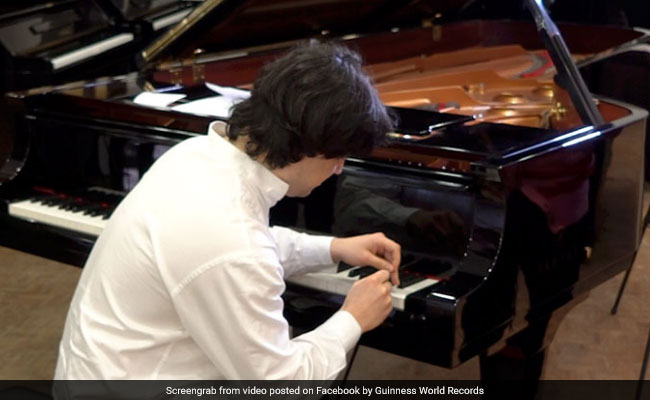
<point x="92" y="210"/>
<point x="343" y="267"/>
<point x="64" y="203"/>
<point x="37" y="199"/>
<point x="362" y="272"/>
<point x="50" y="201"/>
<point x="407" y="279"/>
<point x="77" y="207"/>
<point x="106" y="214"/>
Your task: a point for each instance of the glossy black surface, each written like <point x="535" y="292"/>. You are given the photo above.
<point x="538" y="207"/>
<point x="148" y="18"/>
<point x="35" y="33"/>
<point x="37" y="29"/>
<point x="134" y="9"/>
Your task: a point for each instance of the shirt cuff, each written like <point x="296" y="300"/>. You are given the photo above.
<point x="317" y="252"/>
<point x="344" y="327"/>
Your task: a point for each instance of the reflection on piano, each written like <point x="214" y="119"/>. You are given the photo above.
<point x="550" y="205"/>
<point x="151" y="17"/>
<point x="49" y="42"/>
<point x="63" y="40"/>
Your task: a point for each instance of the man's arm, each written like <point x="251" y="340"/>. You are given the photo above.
<point x="300" y="252"/>
<point x="233" y="311"/>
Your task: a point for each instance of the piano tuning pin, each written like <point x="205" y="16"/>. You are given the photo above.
<point x="476" y="88"/>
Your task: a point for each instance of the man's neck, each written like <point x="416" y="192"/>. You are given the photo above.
<point x="286" y="174"/>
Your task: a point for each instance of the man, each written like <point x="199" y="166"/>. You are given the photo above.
<point x="185" y="281"/>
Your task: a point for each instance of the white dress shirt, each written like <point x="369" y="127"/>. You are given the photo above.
<point x="185" y="281"/>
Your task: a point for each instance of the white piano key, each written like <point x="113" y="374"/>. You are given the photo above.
<point x="52" y="215"/>
<point x="340" y="283"/>
<point x="327" y="280"/>
<point x="91" y="50"/>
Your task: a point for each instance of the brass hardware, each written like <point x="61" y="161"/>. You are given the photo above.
<point x="558" y="110"/>
<point x="198" y="73"/>
<point x="510" y="98"/>
<point x="148" y="87"/>
<point x="502" y="111"/>
<point x="172" y="34"/>
<point x="476" y="88"/>
<point x="436" y="32"/>
<point x="436" y="29"/>
<point x="546" y="90"/>
<point x="411" y="138"/>
<point x="176" y="75"/>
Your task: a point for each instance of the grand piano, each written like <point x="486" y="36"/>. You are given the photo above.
<point x="498" y="132"/>
<point x="49" y="42"/>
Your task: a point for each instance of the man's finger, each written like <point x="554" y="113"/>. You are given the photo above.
<point x="380" y="263"/>
<point x="394" y="277"/>
<point x="391" y="251"/>
<point x="381" y="275"/>
<point x="384" y="265"/>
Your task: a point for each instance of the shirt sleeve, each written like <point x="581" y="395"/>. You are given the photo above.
<point x="233" y="310"/>
<point x="301" y="252"/>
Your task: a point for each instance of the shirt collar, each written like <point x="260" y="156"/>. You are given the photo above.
<point x="271" y="187"/>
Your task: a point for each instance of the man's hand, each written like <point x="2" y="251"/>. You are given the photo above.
<point x="369" y="300"/>
<point x="374" y="250"/>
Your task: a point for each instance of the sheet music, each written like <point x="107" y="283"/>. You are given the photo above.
<point x="230" y="92"/>
<point x="157" y="99"/>
<point x="216" y="106"/>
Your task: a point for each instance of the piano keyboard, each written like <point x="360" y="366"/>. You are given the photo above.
<point x="91" y="50"/>
<point x="339" y="279"/>
<point x="87" y="214"/>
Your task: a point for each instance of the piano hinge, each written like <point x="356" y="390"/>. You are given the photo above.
<point x="436" y="28"/>
<point x="176" y="75"/>
<point x="198" y="73"/>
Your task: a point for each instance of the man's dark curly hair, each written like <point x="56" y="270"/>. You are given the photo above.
<point x="315" y="100"/>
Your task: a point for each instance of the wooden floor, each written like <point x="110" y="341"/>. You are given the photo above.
<point x="590" y="344"/>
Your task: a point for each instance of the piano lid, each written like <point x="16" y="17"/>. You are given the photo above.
<point x="220" y="25"/>
<point x="238" y="24"/>
<point x="151" y="16"/>
<point x="34" y="28"/>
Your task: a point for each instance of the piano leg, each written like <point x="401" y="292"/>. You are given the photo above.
<point x="515" y="371"/>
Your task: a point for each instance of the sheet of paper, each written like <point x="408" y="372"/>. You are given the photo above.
<point x="230" y="92"/>
<point x="157" y="99"/>
<point x="217" y="106"/>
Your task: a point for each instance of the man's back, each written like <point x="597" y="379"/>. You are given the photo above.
<point x="188" y="211"/>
